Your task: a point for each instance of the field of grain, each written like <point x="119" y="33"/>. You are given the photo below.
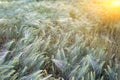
<point x="59" y="40"/>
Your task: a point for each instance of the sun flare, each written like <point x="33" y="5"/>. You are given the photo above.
<point x="107" y="10"/>
<point x="116" y="3"/>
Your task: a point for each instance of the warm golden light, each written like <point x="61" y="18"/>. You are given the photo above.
<point x="116" y="3"/>
<point x="107" y="10"/>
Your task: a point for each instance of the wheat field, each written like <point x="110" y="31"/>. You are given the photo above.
<point x="59" y="40"/>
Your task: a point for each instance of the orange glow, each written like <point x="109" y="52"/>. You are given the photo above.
<point x="108" y="10"/>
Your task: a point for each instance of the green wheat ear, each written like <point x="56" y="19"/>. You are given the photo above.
<point x="10" y="45"/>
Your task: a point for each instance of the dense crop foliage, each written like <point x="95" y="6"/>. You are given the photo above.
<point x="58" y="40"/>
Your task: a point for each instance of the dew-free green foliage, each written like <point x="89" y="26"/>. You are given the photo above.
<point x="56" y="40"/>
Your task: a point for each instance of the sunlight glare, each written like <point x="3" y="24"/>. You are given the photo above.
<point x="116" y="3"/>
<point x="3" y="2"/>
